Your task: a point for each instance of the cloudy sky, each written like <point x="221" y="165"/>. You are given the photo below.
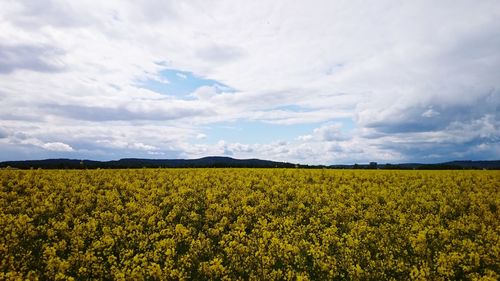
<point x="300" y="81"/>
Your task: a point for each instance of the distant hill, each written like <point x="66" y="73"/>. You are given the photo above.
<point x="205" y="162"/>
<point x="228" y="162"/>
<point x="452" y="165"/>
<point x="476" y="164"/>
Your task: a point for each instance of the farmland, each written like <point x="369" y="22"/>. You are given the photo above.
<point x="249" y="224"/>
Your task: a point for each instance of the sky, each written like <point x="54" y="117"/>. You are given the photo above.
<point x="313" y="82"/>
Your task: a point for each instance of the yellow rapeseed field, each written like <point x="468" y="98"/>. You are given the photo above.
<point x="249" y="224"/>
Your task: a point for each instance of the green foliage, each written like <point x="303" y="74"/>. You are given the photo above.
<point x="249" y="224"/>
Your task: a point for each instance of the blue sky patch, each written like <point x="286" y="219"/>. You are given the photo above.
<point x="261" y="132"/>
<point x="256" y="132"/>
<point x="177" y="83"/>
<point x="347" y="124"/>
<point x="291" y="107"/>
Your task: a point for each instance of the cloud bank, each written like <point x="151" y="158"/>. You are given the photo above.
<point x="341" y="81"/>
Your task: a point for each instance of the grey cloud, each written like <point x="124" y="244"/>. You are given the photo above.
<point x="227" y="152"/>
<point x="430" y="113"/>
<point x="3" y="133"/>
<point x="435" y="117"/>
<point x="219" y="53"/>
<point x="431" y="152"/>
<point x="21" y="135"/>
<point x="29" y="57"/>
<point x="334" y="147"/>
<point x="330" y="133"/>
<point x="467" y="128"/>
<point x="156" y="10"/>
<point x="30" y="152"/>
<point x="62" y="14"/>
<point x="34" y="14"/>
<point x="238" y="147"/>
<point x="21" y="117"/>
<point x="478" y="51"/>
<point x="90" y="113"/>
<point x="476" y="139"/>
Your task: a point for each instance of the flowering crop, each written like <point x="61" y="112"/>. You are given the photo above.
<point x="249" y="224"/>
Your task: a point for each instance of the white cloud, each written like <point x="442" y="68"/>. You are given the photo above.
<point x="430" y="113"/>
<point x="326" y="133"/>
<point x="156" y="153"/>
<point x="181" y="75"/>
<point x="401" y="71"/>
<point x="57" y="146"/>
<point x="126" y="145"/>
<point x="205" y="92"/>
<point x="141" y="146"/>
<point x="305" y="138"/>
<point x="330" y="132"/>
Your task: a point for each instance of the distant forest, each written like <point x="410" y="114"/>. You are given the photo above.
<point x="228" y="162"/>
